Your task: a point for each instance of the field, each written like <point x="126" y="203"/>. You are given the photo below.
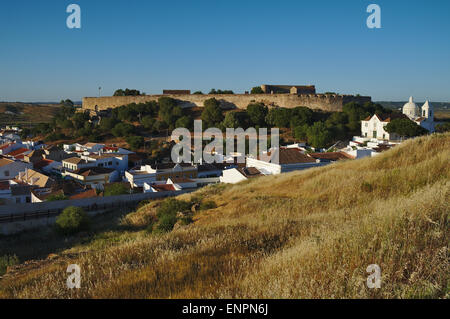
<point x="307" y="234"/>
<point x="26" y="114"/>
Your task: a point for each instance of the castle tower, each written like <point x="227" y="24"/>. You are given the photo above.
<point x="427" y="111"/>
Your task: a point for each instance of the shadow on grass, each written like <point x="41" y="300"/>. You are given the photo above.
<point x="40" y="242"/>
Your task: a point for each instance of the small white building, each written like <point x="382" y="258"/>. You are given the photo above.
<point x="290" y="159"/>
<point x="138" y="177"/>
<point x="9" y="169"/>
<point x="237" y="175"/>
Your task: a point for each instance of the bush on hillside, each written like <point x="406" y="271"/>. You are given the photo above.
<point x="7" y="261"/>
<point x="72" y="220"/>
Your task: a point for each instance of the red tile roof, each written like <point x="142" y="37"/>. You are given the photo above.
<point x="18" y="151"/>
<point x="164" y="187"/>
<point x="42" y="163"/>
<point x="332" y="156"/>
<point x="87" y="194"/>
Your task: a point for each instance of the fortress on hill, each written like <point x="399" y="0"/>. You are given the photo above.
<point x="288" y="96"/>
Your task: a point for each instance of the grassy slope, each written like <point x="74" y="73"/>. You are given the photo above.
<point x="21" y="113"/>
<point x="308" y="234"/>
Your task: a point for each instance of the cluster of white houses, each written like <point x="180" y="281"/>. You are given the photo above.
<point x="33" y="172"/>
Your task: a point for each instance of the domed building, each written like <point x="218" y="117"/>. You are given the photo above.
<point x="423" y="116"/>
<point x="411" y="109"/>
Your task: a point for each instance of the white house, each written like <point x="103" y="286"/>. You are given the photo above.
<point x="9" y="169"/>
<point x="237" y="175"/>
<point x="290" y="159"/>
<point x="182" y="183"/>
<point x="137" y="178"/>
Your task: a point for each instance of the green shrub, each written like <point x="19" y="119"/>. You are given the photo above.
<point x="56" y="197"/>
<point x="172" y="206"/>
<point x="209" y="204"/>
<point x="165" y="224"/>
<point x="72" y="220"/>
<point x="6" y="261"/>
<point x="116" y="189"/>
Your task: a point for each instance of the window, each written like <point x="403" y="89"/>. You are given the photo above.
<point x="374" y="134"/>
<point x="423" y="113"/>
<point x="367" y="124"/>
<point x="28" y="199"/>
<point x="110" y="163"/>
<point x="17" y="200"/>
<point x="6" y="173"/>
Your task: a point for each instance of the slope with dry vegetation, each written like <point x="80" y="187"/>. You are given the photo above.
<point x="308" y="234"/>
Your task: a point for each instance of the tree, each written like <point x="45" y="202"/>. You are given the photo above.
<point x="404" y="127"/>
<point x="212" y="113"/>
<point x="56" y="197"/>
<point x="72" y="220"/>
<point x="213" y="91"/>
<point x="301" y="115"/>
<point x="122" y="130"/>
<point x="135" y="142"/>
<point x="257" y="113"/>
<point x="185" y="121"/>
<point x="257" y="90"/>
<point x="198" y="93"/>
<point x="318" y="135"/>
<point x="235" y="119"/>
<point x="127" y="92"/>
<point x="301" y="132"/>
<point x="279" y="117"/>
<point x="108" y="123"/>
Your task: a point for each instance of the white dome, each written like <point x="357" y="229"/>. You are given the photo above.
<point x="410" y="109"/>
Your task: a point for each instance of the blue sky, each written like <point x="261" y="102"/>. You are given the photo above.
<point x="199" y="45"/>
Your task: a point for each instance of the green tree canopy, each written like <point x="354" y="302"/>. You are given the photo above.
<point x="257" y="113"/>
<point x="212" y="113"/>
<point x="404" y="127"/>
<point x="318" y="135"/>
<point x="257" y="90"/>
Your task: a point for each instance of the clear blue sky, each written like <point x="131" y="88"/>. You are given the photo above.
<point x="199" y="45"/>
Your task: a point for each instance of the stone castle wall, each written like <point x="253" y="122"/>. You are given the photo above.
<point x="241" y="101"/>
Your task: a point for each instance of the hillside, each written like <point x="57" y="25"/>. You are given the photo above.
<point x="26" y="114"/>
<point x="308" y="234"/>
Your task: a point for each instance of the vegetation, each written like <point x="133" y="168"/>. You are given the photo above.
<point x="116" y="189"/>
<point x="72" y="220"/>
<point x="56" y="197"/>
<point x="405" y="127"/>
<point x="442" y="128"/>
<point x="212" y="113"/>
<point x="214" y="91"/>
<point x="306" y="234"/>
<point x="127" y="92"/>
<point x="257" y="90"/>
<point x="7" y="261"/>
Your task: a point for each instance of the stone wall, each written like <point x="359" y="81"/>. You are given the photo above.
<point x="313" y="101"/>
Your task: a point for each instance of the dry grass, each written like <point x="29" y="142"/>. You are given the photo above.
<point x="308" y="234"/>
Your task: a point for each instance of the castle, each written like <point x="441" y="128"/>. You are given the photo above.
<point x="288" y="96"/>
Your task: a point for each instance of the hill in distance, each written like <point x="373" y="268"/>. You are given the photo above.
<point x="26" y="113"/>
<point x="306" y="234"/>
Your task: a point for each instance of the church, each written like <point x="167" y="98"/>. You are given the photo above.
<point x="373" y="126"/>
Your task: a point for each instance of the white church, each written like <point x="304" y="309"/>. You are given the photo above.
<point x="373" y="126"/>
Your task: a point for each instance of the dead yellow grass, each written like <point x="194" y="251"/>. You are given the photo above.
<point x="308" y="234"/>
